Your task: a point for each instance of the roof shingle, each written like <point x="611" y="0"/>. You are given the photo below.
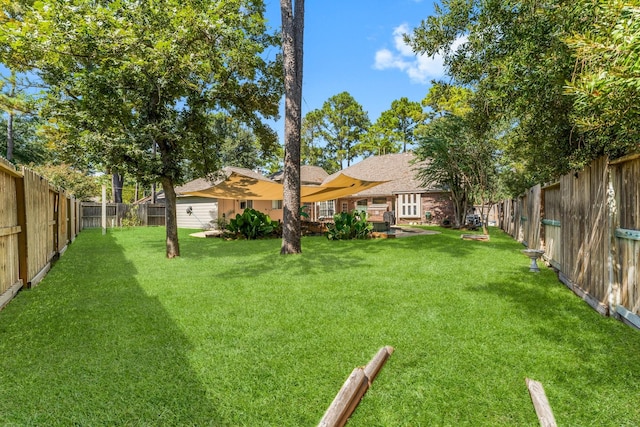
<point x="399" y="169"/>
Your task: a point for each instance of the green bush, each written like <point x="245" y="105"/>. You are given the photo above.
<point x="132" y="218"/>
<point x="252" y="224"/>
<point x="348" y="226"/>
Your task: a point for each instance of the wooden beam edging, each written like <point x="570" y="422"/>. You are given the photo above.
<point x="541" y="404"/>
<point x="38" y="277"/>
<point x="628" y="317"/>
<point x="588" y="298"/>
<point x="353" y="390"/>
<point x="10" y="293"/>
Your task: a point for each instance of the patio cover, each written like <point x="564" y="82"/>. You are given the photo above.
<point x="238" y="186"/>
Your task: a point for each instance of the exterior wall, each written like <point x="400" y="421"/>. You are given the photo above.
<point x="204" y="212"/>
<point x="229" y="208"/>
<point x="375" y="211"/>
<point x="439" y="205"/>
<point x="266" y="206"/>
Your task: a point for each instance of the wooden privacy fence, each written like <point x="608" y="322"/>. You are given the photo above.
<point x="147" y="214"/>
<point x="37" y="222"/>
<point x="588" y="224"/>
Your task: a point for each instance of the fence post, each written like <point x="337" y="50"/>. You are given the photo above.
<point x="613" y="289"/>
<point x="21" y="209"/>
<point x="143" y="213"/>
<point x="104" y="209"/>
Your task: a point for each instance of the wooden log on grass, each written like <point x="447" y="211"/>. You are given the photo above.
<point x="477" y="237"/>
<point x="374" y="366"/>
<point x="353" y="390"/>
<point x="346" y="400"/>
<point x="541" y="404"/>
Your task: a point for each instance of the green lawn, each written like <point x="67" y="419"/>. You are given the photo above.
<point x="233" y="334"/>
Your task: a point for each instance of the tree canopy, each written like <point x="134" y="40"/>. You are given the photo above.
<point x="606" y="85"/>
<point x="394" y="128"/>
<point x="333" y="133"/>
<point x="126" y="77"/>
<point x="459" y="154"/>
<point x="514" y="57"/>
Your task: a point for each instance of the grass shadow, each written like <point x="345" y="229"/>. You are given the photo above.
<point x="112" y="354"/>
<point x="588" y="358"/>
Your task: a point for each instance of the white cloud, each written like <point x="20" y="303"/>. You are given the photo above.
<point x="386" y="59"/>
<point x="420" y="68"/>
<point x="398" y="37"/>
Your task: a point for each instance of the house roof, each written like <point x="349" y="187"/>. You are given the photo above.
<point x="308" y="175"/>
<point x="398" y="170"/>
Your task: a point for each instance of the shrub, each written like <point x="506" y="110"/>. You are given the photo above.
<point x="347" y="226"/>
<point x="132" y="218"/>
<point x="252" y="224"/>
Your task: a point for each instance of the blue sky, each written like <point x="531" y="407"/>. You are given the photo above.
<point x="356" y="46"/>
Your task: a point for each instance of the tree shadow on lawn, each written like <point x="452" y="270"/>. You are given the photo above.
<point x="448" y="241"/>
<point x="254" y="257"/>
<point x="318" y="254"/>
<point x="588" y="363"/>
<point x="97" y="351"/>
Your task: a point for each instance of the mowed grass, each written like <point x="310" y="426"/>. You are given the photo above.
<point x="234" y="334"/>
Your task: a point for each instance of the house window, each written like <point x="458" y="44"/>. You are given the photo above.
<point x="246" y="204"/>
<point x="345" y="207"/>
<point x="276" y="204"/>
<point x="409" y="205"/>
<point x="327" y="209"/>
<point x="361" y="205"/>
<point x="379" y="200"/>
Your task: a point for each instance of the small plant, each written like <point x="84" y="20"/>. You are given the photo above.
<point x="252" y="224"/>
<point x="348" y="226"/>
<point x="221" y="223"/>
<point x="303" y="212"/>
<point x="132" y="219"/>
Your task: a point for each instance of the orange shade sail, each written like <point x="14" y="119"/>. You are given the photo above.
<point x="241" y="187"/>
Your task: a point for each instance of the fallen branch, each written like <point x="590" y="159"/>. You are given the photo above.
<point x="353" y="390"/>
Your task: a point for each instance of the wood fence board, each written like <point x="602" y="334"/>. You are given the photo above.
<point x="39" y="212"/>
<point x="592" y="241"/>
<point x="91" y="214"/>
<point x="625" y="177"/>
<point x="9" y="260"/>
<point x="35" y="225"/>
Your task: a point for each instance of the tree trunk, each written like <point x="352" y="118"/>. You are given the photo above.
<point x="10" y="137"/>
<point x="173" y="248"/>
<point x="292" y="48"/>
<point x="10" y="141"/>
<point x="117" y="181"/>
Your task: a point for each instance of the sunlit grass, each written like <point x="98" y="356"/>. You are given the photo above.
<point x="232" y="333"/>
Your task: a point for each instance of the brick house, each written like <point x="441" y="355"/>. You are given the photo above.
<point x="403" y="195"/>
